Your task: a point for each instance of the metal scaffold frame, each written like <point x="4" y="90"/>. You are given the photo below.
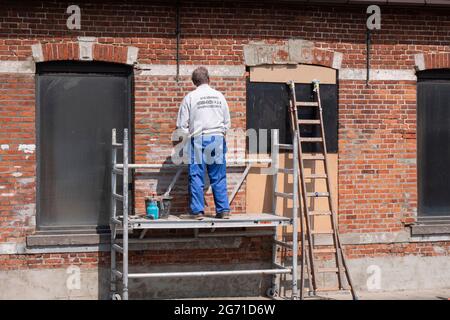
<point x="126" y="223"/>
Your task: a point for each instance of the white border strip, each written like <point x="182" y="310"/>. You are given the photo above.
<point x="227" y="71"/>
<point x="17" y="67"/>
<point x="378" y="74"/>
<point x="186" y="70"/>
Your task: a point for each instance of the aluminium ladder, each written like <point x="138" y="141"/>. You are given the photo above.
<point x="314" y="249"/>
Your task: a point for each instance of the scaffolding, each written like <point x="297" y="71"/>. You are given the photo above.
<point x="127" y="222"/>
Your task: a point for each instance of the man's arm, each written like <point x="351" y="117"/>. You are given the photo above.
<point x="183" y="116"/>
<point x="226" y="115"/>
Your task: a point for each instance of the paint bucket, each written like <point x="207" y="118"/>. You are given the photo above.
<point x="164" y="206"/>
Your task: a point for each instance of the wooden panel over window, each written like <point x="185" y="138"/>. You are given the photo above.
<point x="300" y="73"/>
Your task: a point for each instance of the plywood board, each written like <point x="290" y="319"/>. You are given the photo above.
<point x="300" y="73"/>
<point x="260" y="195"/>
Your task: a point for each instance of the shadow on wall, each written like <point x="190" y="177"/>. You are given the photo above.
<point x="104" y="281"/>
<point x="159" y="180"/>
<point x="187" y="287"/>
<point x="197" y="287"/>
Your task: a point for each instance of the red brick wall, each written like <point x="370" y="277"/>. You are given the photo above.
<point x="377" y="152"/>
<point x="377" y="180"/>
<point x="17" y="167"/>
<point x="253" y="249"/>
<point x="156" y="106"/>
<point x="425" y="249"/>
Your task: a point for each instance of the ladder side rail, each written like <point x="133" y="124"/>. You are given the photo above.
<point x="125" y="216"/>
<point x="274" y="149"/>
<point x="113" y="284"/>
<point x="309" y="227"/>
<point x="301" y="228"/>
<point x="330" y="191"/>
<point x="295" y="213"/>
<point x="113" y="176"/>
<point x="340" y="255"/>
<point x="347" y="271"/>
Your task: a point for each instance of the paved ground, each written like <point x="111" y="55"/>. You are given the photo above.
<point x="435" y="294"/>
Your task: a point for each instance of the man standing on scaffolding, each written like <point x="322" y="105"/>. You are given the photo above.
<point x="204" y="116"/>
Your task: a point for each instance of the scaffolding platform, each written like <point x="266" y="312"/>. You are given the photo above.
<point x="247" y="220"/>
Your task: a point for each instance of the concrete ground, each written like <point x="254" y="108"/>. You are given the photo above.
<point x="431" y="294"/>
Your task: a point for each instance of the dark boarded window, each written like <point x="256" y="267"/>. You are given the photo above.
<point x="433" y="138"/>
<point x="267" y="108"/>
<point x="78" y="105"/>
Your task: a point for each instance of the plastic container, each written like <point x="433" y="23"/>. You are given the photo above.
<point x="152" y="209"/>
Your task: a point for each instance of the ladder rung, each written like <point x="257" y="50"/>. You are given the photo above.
<point x="319" y="213"/>
<point x="316" y="176"/>
<point x="313" y="157"/>
<point x="307" y="104"/>
<point x="117" y="145"/>
<point x="117" y="196"/>
<point x="329" y="289"/>
<point x="283" y="244"/>
<point x="117" y="273"/>
<point x="286" y="170"/>
<point x="312" y="139"/>
<point x="280" y="266"/>
<point x="317" y="194"/>
<point x="322" y="231"/>
<point x="118" y="171"/>
<point x="117" y="248"/>
<point x="308" y="121"/>
<point x="284" y="146"/>
<point x="284" y="195"/>
<point x="325" y="270"/>
<point x="115" y="221"/>
<point x="330" y="250"/>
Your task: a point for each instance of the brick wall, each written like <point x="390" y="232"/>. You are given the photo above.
<point x="156" y="101"/>
<point x="254" y="250"/>
<point x="377" y="142"/>
<point x="377" y="155"/>
<point x="17" y="157"/>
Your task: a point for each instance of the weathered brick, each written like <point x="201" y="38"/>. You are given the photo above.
<point x="377" y="123"/>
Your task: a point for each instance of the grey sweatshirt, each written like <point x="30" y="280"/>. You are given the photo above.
<point x="204" y="111"/>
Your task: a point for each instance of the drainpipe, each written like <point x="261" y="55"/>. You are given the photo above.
<point x="368" y="42"/>
<point x="178" y="36"/>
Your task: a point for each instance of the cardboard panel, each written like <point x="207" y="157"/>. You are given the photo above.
<point x="300" y="73"/>
<point x="260" y="195"/>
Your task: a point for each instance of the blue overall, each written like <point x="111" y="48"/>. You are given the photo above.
<point x="208" y="152"/>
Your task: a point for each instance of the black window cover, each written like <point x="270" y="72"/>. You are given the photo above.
<point x="78" y="104"/>
<point x="267" y="108"/>
<point x="433" y="137"/>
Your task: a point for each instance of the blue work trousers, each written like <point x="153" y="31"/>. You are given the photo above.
<point x="208" y="153"/>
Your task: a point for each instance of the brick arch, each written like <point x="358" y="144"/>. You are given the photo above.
<point x="326" y="58"/>
<point x="84" y="50"/>
<point x="435" y="60"/>
<point x="291" y="52"/>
